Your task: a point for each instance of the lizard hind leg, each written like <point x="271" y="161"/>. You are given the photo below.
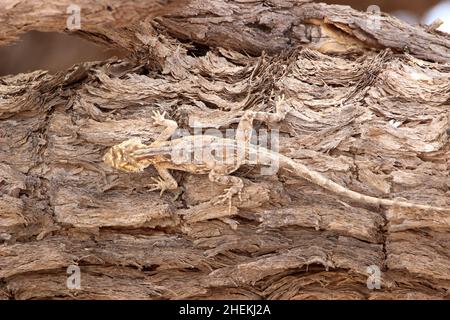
<point x="236" y="185"/>
<point x="245" y="127"/>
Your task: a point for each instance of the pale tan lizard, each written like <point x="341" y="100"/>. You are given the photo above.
<point x="219" y="157"/>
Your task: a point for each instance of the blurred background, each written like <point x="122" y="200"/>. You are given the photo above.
<point x="57" y="51"/>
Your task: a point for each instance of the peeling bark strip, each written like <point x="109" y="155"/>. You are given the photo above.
<point x="276" y="25"/>
<point x="375" y="121"/>
<point x="249" y="27"/>
<point x="19" y="16"/>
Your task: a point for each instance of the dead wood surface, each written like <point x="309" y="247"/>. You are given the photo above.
<point x="370" y="111"/>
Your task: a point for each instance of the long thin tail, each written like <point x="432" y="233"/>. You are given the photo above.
<point x="326" y="183"/>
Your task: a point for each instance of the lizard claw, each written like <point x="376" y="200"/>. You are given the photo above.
<point x="228" y="196"/>
<point x="159" y="117"/>
<point x="281" y="106"/>
<point x="160" y="184"/>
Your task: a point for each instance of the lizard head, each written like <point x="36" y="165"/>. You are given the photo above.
<point x="121" y="156"/>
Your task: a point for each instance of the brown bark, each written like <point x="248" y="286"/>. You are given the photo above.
<point x="418" y="7"/>
<point x="19" y="16"/>
<point x="366" y="114"/>
<point x="244" y="26"/>
<point x="280" y="24"/>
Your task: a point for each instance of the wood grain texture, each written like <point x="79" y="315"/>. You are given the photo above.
<point x="19" y="16"/>
<point x="374" y="119"/>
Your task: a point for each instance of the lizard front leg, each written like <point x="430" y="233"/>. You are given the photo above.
<point x="236" y="185"/>
<point x="165" y="181"/>
<point x="170" y="127"/>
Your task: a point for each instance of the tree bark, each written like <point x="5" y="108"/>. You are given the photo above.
<point x="370" y="110"/>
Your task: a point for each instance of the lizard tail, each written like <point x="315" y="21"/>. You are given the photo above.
<point x="326" y="183"/>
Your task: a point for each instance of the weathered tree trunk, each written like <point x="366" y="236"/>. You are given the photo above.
<point x="370" y="110"/>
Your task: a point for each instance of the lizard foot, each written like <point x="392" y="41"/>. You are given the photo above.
<point x="160" y="184"/>
<point x="281" y="107"/>
<point x="228" y="196"/>
<point x="159" y="117"/>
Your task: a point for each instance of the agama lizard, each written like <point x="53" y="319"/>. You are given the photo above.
<point x="219" y="157"/>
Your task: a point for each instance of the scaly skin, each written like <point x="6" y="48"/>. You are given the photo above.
<point x="219" y="157"/>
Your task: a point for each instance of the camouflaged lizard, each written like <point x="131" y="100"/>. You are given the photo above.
<point x="219" y="157"/>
